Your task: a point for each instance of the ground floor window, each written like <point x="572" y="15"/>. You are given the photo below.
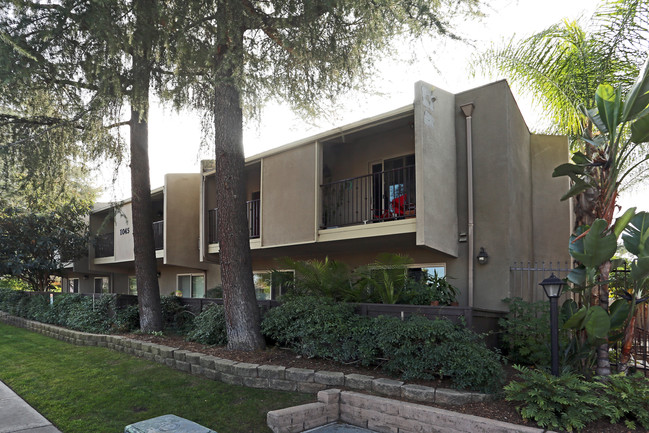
<point x="102" y="285"/>
<point x="419" y="272"/>
<point x="192" y="285"/>
<point x="272" y="285"/>
<point x="132" y="286"/>
<point x="73" y="285"/>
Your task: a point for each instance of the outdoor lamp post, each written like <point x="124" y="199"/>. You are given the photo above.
<point x="552" y="287"/>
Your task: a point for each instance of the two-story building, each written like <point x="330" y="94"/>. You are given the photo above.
<point x="440" y="180"/>
<point x="110" y="268"/>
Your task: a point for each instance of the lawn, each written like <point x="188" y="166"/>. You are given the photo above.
<point x="93" y="389"/>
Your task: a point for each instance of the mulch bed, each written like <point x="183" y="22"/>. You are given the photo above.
<point x="497" y="409"/>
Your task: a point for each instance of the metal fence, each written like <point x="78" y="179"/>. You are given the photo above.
<point x="525" y="279"/>
<point x="526" y="276"/>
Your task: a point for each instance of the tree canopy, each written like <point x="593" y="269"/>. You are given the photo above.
<point x="562" y="66"/>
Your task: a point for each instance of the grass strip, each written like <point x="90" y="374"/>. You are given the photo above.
<point x="94" y="389"/>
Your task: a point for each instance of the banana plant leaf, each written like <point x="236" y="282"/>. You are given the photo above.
<point x="640" y="130"/>
<point x="596" y="247"/>
<point x="597" y="323"/>
<point x="636" y="235"/>
<point x="619" y="313"/>
<point x="640" y="269"/>
<point x="609" y="106"/>
<point x="637" y="100"/>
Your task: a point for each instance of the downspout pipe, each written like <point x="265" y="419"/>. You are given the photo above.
<point x="467" y="110"/>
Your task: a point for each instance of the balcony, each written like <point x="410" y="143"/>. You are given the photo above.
<point x="105" y="245"/>
<point x="381" y="196"/>
<point x="252" y="210"/>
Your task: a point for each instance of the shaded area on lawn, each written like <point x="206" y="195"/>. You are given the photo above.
<point x="93" y="389"/>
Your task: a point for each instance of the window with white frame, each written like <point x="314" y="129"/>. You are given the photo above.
<point x="419" y="272"/>
<point x="191" y="285"/>
<point x="102" y="285"/>
<point x="73" y="285"/>
<point x="272" y="285"/>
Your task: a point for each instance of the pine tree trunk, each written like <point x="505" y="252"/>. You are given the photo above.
<point x="241" y="308"/>
<point x="146" y="268"/>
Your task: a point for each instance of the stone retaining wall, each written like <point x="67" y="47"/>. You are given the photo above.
<point x="251" y="375"/>
<point x="382" y="415"/>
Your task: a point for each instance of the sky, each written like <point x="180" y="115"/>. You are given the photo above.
<point x="174" y="138"/>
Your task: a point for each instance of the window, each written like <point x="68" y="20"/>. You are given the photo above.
<point x="272" y="285"/>
<point x="419" y="272"/>
<point x="73" y="285"/>
<point x="132" y="286"/>
<point x="192" y="285"/>
<point x="102" y="285"/>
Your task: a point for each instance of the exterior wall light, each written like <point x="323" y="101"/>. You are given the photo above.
<point x="552" y="287"/>
<point x="483" y="257"/>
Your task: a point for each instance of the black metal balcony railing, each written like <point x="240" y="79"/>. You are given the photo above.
<point x="252" y="210"/>
<point x="158" y="234"/>
<point x="105" y="246"/>
<point x="376" y="197"/>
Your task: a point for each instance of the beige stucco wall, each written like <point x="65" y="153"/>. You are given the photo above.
<point x="552" y="217"/>
<point x="436" y="169"/>
<point x="288" y="202"/>
<point x="181" y="219"/>
<point x="355" y="158"/>
<point x="124" y="234"/>
<point x="502" y="190"/>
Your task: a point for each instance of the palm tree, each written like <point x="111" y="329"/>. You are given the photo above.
<point x="562" y="66"/>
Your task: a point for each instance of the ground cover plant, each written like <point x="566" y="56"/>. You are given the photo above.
<point x="569" y="401"/>
<point x="93" y="389"/>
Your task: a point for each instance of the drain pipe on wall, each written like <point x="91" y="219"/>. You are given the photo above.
<point x="467" y="109"/>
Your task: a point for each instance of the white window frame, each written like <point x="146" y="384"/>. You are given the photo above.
<point x="260" y="272"/>
<point x="429" y="265"/>
<point x="191" y="282"/>
<point x="94" y="285"/>
<point x="70" y="280"/>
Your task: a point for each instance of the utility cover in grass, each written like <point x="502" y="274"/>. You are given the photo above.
<point x="166" y="424"/>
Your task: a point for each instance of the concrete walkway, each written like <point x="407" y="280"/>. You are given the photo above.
<point x="17" y="416"/>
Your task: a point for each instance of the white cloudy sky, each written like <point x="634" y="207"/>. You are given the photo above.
<point x="174" y="140"/>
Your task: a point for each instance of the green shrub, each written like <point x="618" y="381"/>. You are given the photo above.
<point x="626" y="398"/>
<point x="209" y="327"/>
<point x="526" y="332"/>
<point x="312" y="326"/>
<point x="175" y="316"/>
<point x="82" y="313"/>
<point x="127" y="319"/>
<point x="416" y="348"/>
<point x="566" y="402"/>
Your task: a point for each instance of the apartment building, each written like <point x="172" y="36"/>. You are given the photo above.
<point x="110" y="266"/>
<point x="443" y="180"/>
